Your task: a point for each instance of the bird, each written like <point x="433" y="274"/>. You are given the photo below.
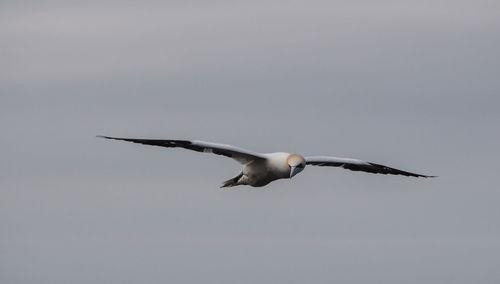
<point x="261" y="169"/>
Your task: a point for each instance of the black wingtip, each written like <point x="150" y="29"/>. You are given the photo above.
<point x="423" y="176"/>
<point x="106" y="137"/>
<point x="113" y="138"/>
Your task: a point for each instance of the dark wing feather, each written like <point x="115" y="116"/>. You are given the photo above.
<point x="241" y="155"/>
<point x="357" y="165"/>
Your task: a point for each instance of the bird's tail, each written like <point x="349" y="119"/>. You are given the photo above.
<point x="232" y="182"/>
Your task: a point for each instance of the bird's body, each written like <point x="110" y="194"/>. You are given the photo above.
<point x="261" y="172"/>
<point x="261" y="169"/>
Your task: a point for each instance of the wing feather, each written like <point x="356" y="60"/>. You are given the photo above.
<point x="357" y="165"/>
<point x="241" y="155"/>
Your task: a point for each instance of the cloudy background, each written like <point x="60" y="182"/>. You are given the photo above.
<point x="411" y="84"/>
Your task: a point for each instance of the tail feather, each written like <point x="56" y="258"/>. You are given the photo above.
<point x="232" y="182"/>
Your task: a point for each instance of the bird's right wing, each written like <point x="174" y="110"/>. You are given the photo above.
<point x="357" y="165"/>
<point x="241" y="155"/>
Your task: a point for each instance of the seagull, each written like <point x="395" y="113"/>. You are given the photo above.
<point x="261" y="169"/>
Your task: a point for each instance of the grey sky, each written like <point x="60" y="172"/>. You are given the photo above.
<point x="411" y="84"/>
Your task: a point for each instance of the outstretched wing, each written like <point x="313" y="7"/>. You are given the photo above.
<point x="357" y="165"/>
<point x="241" y="155"/>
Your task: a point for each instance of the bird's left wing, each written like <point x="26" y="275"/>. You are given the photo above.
<point x="241" y="155"/>
<point x="357" y="165"/>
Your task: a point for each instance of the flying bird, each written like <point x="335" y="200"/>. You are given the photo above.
<point x="261" y="169"/>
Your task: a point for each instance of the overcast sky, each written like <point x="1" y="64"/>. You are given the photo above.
<point x="410" y="84"/>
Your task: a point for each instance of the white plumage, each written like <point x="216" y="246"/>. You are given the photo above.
<point x="261" y="169"/>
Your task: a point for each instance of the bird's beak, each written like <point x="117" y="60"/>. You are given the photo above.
<point x="294" y="171"/>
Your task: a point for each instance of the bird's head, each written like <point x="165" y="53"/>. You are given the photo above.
<point x="296" y="163"/>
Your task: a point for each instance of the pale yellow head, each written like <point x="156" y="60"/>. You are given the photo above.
<point x="297" y="163"/>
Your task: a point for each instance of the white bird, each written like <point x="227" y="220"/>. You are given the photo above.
<point x="261" y="169"/>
